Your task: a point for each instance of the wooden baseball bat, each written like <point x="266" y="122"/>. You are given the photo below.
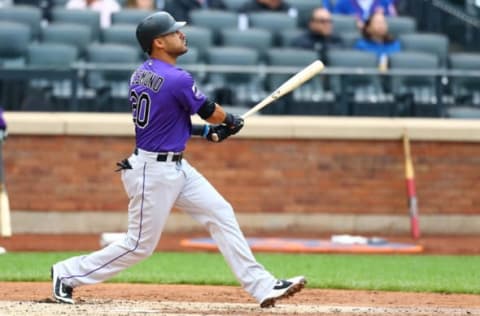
<point x="291" y="84"/>
<point x="411" y="190"/>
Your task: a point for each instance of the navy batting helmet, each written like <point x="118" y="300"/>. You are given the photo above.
<point x="155" y="25"/>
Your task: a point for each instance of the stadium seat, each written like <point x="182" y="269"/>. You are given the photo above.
<point x="463" y="112"/>
<point x="28" y="15"/>
<point x="258" y="39"/>
<point x="421" y="90"/>
<point x="466" y="90"/>
<point x="116" y="82"/>
<point x="192" y="57"/>
<point x="199" y="37"/>
<point x="304" y="8"/>
<point x="436" y="44"/>
<point x="121" y="34"/>
<point x="349" y="39"/>
<point x="73" y="34"/>
<point x="344" y="24"/>
<point x="305" y="100"/>
<point x="398" y="25"/>
<point x="14" y="40"/>
<point x="287" y="36"/>
<point x="84" y="17"/>
<point x="214" y="20"/>
<point x="51" y="54"/>
<point x="358" y="94"/>
<point x="275" y="22"/>
<point x="129" y="16"/>
<point x="234" y="5"/>
<point x="49" y="95"/>
<point x="236" y="88"/>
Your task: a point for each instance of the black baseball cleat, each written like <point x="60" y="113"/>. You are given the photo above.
<point x="62" y="293"/>
<point x="283" y="289"/>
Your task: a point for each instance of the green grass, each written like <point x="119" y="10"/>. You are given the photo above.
<point x="446" y="274"/>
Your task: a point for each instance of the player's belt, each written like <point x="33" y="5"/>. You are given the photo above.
<point x="164" y="156"/>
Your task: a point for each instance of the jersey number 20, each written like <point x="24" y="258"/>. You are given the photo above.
<point x="140" y="108"/>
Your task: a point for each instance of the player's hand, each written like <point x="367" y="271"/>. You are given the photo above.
<point x="234" y="122"/>
<point x="218" y="133"/>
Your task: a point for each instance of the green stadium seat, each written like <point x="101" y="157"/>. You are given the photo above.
<point x="305" y="100"/>
<point x="399" y="25"/>
<point x="275" y="22"/>
<point x="14" y="41"/>
<point x="436" y="44"/>
<point x="422" y="89"/>
<point x="215" y="20"/>
<point x="258" y="39"/>
<point x="466" y="90"/>
<point x="357" y="94"/>
<point x="198" y="37"/>
<point x="27" y="15"/>
<point x="286" y="37"/>
<point x="87" y="18"/>
<point x="243" y="88"/>
<point x="130" y="16"/>
<point x="72" y="34"/>
<point x="344" y="24"/>
<point x="234" y="5"/>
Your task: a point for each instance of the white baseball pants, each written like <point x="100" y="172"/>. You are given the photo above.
<point x="153" y="189"/>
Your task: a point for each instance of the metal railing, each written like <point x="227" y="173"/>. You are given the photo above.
<point x="15" y="84"/>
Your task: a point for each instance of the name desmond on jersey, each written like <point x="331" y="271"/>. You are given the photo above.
<point x="147" y="79"/>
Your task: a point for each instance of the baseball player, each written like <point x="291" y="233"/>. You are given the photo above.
<point x="157" y="177"/>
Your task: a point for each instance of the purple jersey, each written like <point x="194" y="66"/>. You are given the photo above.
<point x="163" y="97"/>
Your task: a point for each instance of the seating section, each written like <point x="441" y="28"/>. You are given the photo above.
<point x="218" y="38"/>
<point x="14" y="40"/>
<point x="27" y="15"/>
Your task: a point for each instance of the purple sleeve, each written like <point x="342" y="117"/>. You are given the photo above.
<point x="3" y="124"/>
<point x="188" y="94"/>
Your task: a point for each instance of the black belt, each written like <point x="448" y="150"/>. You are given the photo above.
<point x="164" y="156"/>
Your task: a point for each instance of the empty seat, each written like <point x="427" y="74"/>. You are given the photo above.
<point x="349" y="39"/>
<point x="358" y="94"/>
<point x="436" y="44"/>
<point x="303" y="100"/>
<point x="421" y="89"/>
<point x="344" y="24"/>
<point x="192" y="57"/>
<point x="242" y="88"/>
<point x="117" y="81"/>
<point x="51" y="54"/>
<point x="14" y="40"/>
<point x="84" y="17"/>
<point x="28" y="15"/>
<point x="258" y="39"/>
<point x="464" y="112"/>
<point x="398" y="25"/>
<point x="214" y="20"/>
<point x="466" y="90"/>
<point x="73" y="34"/>
<point x="121" y="34"/>
<point x="275" y="22"/>
<point x="198" y="37"/>
<point x="286" y="37"/>
<point x="234" y="5"/>
<point x="129" y="16"/>
<point x="51" y="94"/>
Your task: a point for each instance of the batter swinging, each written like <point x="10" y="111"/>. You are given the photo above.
<point x="156" y="177"/>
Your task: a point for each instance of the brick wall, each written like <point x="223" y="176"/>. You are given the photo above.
<point x="72" y="173"/>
